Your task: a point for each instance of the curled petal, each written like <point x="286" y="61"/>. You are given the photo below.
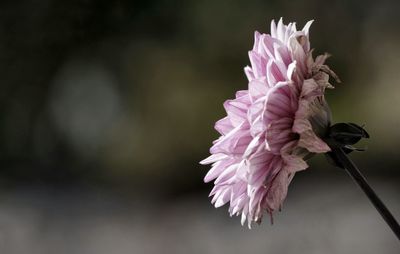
<point x="278" y="190"/>
<point x="308" y="139"/>
<point x="271" y="128"/>
<point x="279" y="133"/>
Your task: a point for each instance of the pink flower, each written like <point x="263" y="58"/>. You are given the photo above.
<point x="271" y="126"/>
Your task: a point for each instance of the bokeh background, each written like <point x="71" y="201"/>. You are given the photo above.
<point x="106" y="107"/>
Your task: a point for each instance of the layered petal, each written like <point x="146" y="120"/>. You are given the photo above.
<point x="271" y="127"/>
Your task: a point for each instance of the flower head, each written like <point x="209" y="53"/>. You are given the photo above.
<point x="271" y="126"/>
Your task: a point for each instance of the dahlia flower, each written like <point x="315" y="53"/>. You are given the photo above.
<point x="273" y="126"/>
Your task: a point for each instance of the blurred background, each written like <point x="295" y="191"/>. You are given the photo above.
<point x="106" y="108"/>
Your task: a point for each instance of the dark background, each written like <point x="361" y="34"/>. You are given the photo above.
<point x="106" y="108"/>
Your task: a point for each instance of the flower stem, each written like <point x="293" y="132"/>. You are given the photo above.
<point x="357" y="176"/>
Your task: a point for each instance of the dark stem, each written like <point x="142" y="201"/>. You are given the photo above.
<point x="353" y="171"/>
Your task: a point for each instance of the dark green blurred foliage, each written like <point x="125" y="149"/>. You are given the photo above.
<point x="107" y="107"/>
<point x="125" y="93"/>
